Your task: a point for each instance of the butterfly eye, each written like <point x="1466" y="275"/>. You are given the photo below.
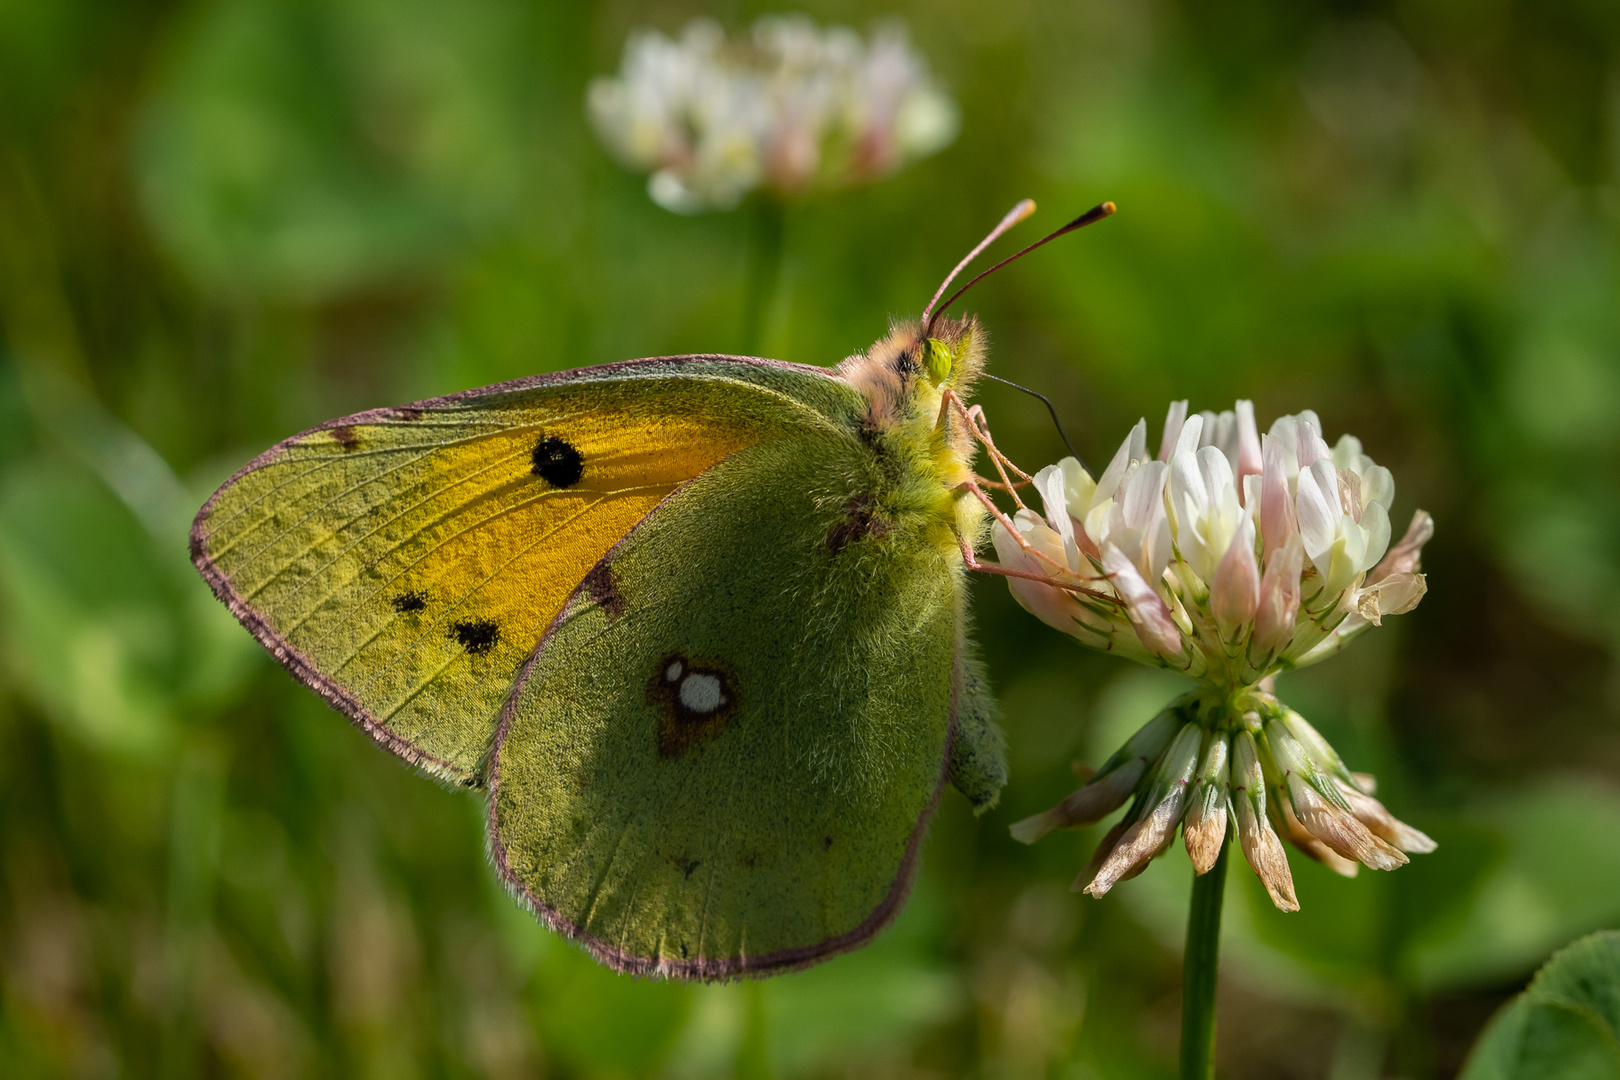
<point x="940" y="360"/>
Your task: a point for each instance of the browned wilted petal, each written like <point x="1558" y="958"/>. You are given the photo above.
<point x="1093" y="802"/>
<point x="1141" y="842"/>
<point x="1204" y="833"/>
<point x="1106" y="848"/>
<point x="1205" y="829"/>
<point x="1373" y="814"/>
<point x="1339" y="829"/>
<point x="1264" y="852"/>
<point x="1300" y="837"/>
<point x="1169" y="840"/>
<point x="1406" y="556"/>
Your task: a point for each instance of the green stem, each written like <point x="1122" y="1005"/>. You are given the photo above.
<point x="764" y="269"/>
<point x="1200" y="965"/>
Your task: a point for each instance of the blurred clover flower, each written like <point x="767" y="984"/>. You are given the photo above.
<point x="790" y="109"/>
<point x="1228" y="558"/>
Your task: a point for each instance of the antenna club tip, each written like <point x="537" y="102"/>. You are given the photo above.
<point x="1108" y="207"/>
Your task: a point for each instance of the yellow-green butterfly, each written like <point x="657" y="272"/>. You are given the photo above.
<point x="697" y="624"/>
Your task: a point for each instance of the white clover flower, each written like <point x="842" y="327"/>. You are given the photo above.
<point x="791" y="108"/>
<point x="1229" y="558"/>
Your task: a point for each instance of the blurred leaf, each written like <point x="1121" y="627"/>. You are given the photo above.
<point x="1557" y="877"/>
<point x="601" y="1023"/>
<point x="868" y="1005"/>
<point x="1566" y="1026"/>
<point x="298" y="150"/>
<point x="90" y="626"/>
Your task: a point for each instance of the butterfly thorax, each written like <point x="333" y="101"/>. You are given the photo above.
<point x="909" y="379"/>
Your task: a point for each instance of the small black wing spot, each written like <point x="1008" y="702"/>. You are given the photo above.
<point x="557" y="462"/>
<point x="477" y="636"/>
<point x="407" y="602"/>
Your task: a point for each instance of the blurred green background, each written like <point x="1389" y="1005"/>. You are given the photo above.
<point x="224" y="221"/>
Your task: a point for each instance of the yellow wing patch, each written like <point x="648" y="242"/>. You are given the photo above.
<point x="406" y="562"/>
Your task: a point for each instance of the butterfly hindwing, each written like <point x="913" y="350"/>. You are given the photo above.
<point x="723" y="754"/>
<point x="404" y="562"/>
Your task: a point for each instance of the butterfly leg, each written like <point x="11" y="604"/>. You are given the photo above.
<point x="972" y="562"/>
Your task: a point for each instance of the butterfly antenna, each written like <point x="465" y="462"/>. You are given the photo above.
<point x="1018" y="213"/>
<point x="1047" y="401"/>
<point x="1090" y="217"/>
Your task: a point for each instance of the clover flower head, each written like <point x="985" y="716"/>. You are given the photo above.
<point x="790" y="108"/>
<point x="1229" y="557"/>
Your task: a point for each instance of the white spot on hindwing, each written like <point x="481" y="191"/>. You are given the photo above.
<point x="701" y="692"/>
<point x="694" y="701"/>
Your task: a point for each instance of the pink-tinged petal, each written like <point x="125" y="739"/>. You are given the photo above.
<point x="1317" y="507"/>
<point x="1248" y="448"/>
<point x="1191" y="436"/>
<point x="1234" y="596"/>
<point x="1143" y="496"/>
<point x="1278" y="607"/>
<point x="1134" y="448"/>
<point x="1055" y="607"/>
<point x="1277" y="522"/>
<point x="1216" y="473"/>
<point x="1406" y="556"/>
<point x="1309" y="447"/>
<point x="1051" y="483"/>
<point x="1188" y="497"/>
<point x="1149" y="615"/>
<point x="1174" y="420"/>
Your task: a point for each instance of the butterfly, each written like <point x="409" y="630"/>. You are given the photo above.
<point x="696" y="626"/>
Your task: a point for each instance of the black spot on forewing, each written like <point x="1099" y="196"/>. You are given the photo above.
<point x="603" y="590"/>
<point x="557" y="462"/>
<point x="477" y="636"/>
<point x="857" y="524"/>
<point x="405" y="412"/>
<point x="695" y="700"/>
<point x="407" y="602"/>
<point x="346" y="437"/>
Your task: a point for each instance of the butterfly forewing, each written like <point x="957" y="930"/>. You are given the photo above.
<point x="405" y="562"/>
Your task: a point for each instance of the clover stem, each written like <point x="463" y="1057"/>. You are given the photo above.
<point x="1200" y="965"/>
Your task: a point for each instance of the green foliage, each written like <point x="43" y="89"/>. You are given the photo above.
<point x="1566" y="1026"/>
<point x="223" y="222"/>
